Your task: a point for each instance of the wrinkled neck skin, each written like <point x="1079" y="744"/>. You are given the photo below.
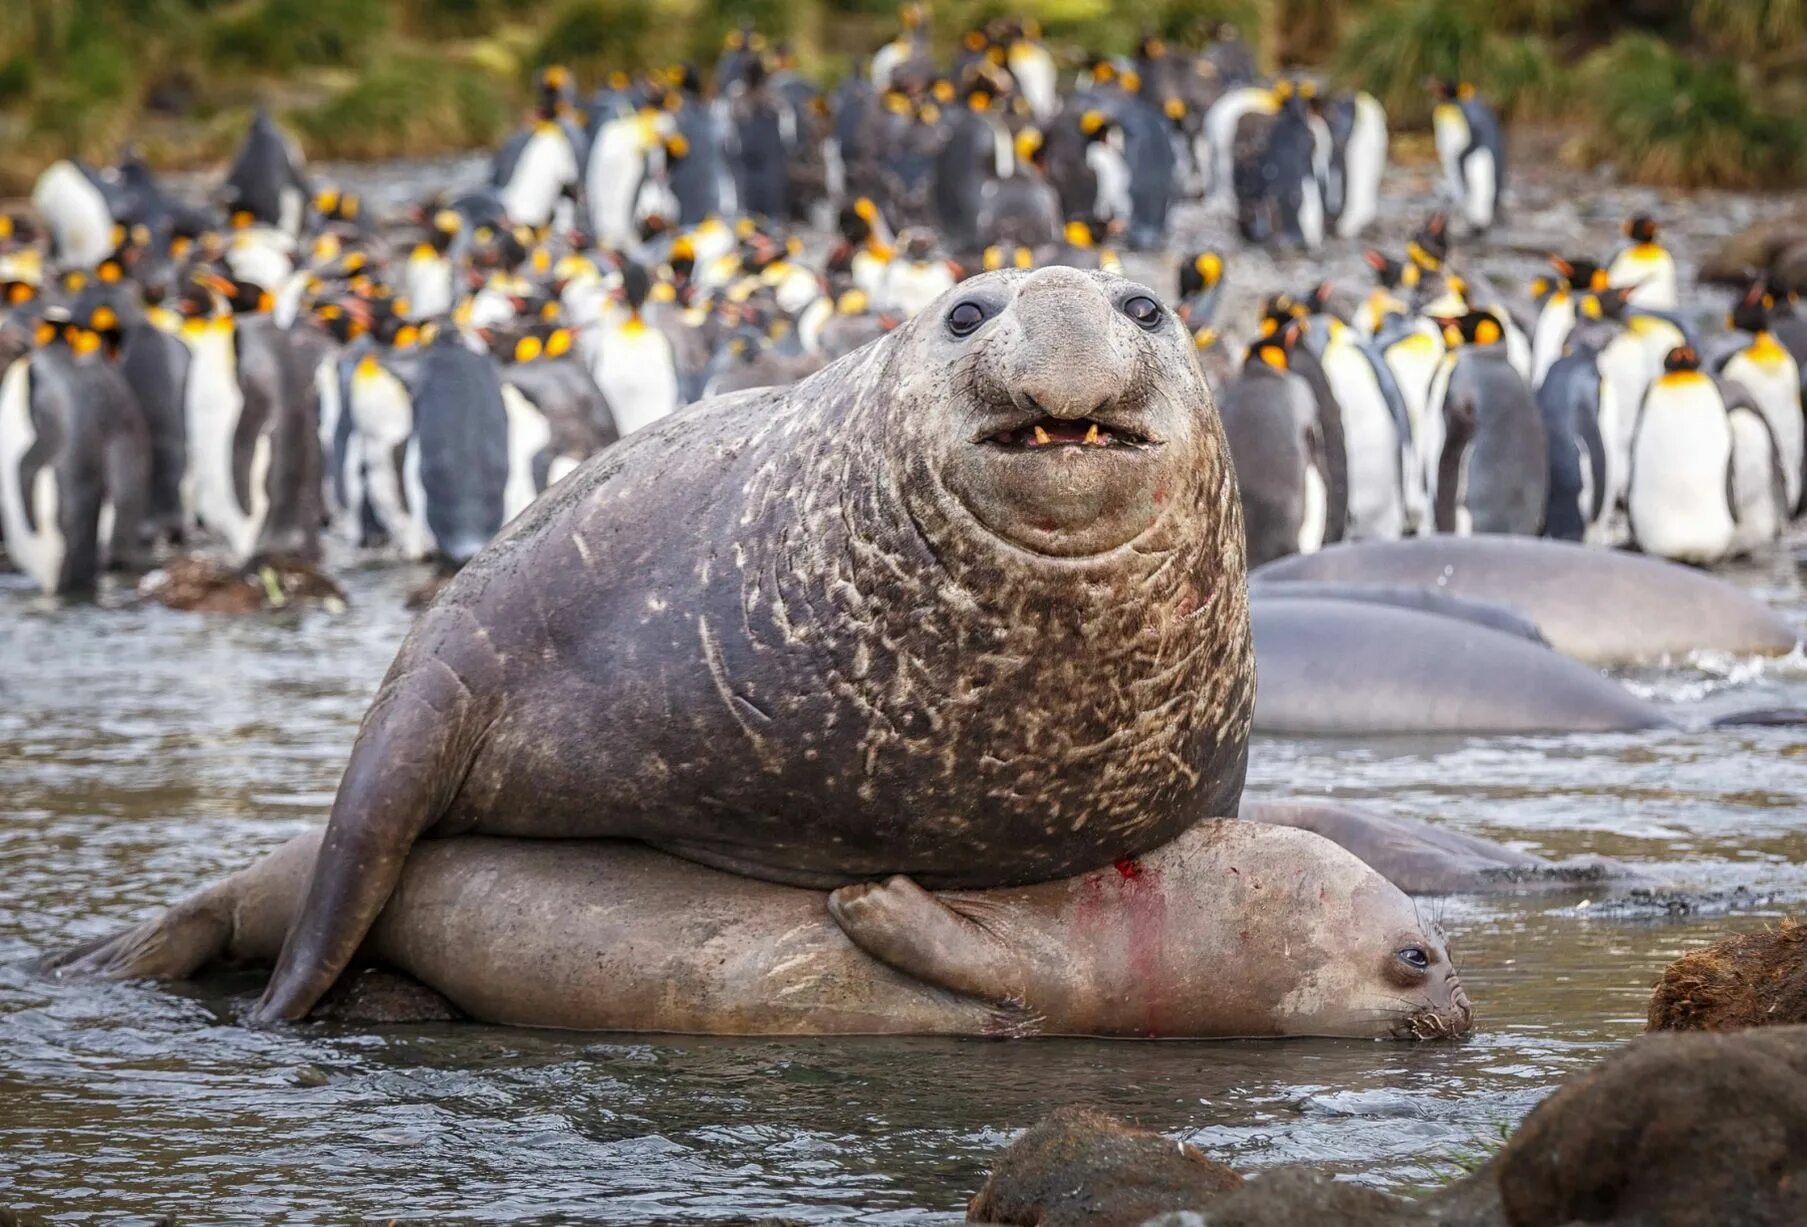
<point x="1111" y="692"/>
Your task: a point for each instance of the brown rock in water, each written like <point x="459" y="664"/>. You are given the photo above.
<point x="193" y="584"/>
<point x="1681" y="1130"/>
<point x="377" y="997"/>
<point x="1077" y="1166"/>
<point x="1777" y="246"/>
<point x="1750" y="980"/>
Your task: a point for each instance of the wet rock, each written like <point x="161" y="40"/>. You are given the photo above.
<point x="1079" y="1167"/>
<point x="1777" y="246"/>
<point x="1664" y="903"/>
<point x="1750" y="980"/>
<point x="1287" y="1196"/>
<point x="373" y="996"/>
<point x="194" y="584"/>
<point x="309" y="1076"/>
<point x="1683" y="1130"/>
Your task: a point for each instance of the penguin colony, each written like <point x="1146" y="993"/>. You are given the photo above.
<point x="278" y="364"/>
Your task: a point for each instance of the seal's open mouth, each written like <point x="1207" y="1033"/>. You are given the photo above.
<point x="1066" y="432"/>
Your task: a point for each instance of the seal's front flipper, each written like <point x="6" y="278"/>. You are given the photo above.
<point x="898" y="922"/>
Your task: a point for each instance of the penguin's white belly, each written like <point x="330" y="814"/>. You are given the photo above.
<point x="1113" y="182"/>
<point x="529" y="434"/>
<point x="291" y="210"/>
<point x="1478" y="188"/>
<point x="383" y="414"/>
<point x="1313" y="525"/>
<point x="911" y="287"/>
<point x="418" y="541"/>
<point x="1371" y="441"/>
<point x="326" y="396"/>
<point x="1625" y="370"/>
<point x="1760" y="516"/>
<point x="261" y="259"/>
<point x="637" y="377"/>
<point x="1677" y="498"/>
<point x="80" y="222"/>
<point x="38" y="553"/>
<point x="1449" y="129"/>
<point x="1651" y="278"/>
<point x="1311" y="214"/>
<point x="1554" y="323"/>
<point x="1436" y="434"/>
<point x="1776" y="387"/>
<point x="1364" y="161"/>
<point x="214" y="404"/>
<point x="546" y="168"/>
<point x="612" y="184"/>
<point x="427" y="283"/>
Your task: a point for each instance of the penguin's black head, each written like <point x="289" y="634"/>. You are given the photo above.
<point x="1681" y="358"/>
<point x="1429" y="248"/>
<point x="1476" y="328"/>
<point x="1443" y="89"/>
<point x="1389" y="273"/>
<point x="1200" y="272"/>
<point x="1581" y="275"/>
<point x="1751" y="312"/>
<point x="1641" y="229"/>
<point x="636" y="284"/>
<point x="1273" y="348"/>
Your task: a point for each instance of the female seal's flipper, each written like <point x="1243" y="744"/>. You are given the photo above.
<point x="239" y="920"/>
<point x="899" y="923"/>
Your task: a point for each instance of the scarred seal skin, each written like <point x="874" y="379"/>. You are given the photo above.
<point x="969" y="605"/>
<point x="1232" y="929"/>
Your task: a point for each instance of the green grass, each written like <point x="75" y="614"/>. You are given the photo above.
<point x="1708" y="92"/>
<point x="1668" y="118"/>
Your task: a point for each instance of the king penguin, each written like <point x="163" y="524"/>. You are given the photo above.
<point x="74" y="467"/>
<point x="634" y="362"/>
<point x="1772" y="377"/>
<point x="1681" y="498"/>
<point x="77" y="207"/>
<point x="267" y="178"/>
<point x="1486" y="436"/>
<point x="1271" y="423"/>
<point x="1645" y="267"/>
<point x="1470" y="146"/>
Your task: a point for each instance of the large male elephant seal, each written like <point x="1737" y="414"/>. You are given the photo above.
<point x="968" y="605"/>
<point x="1599" y="606"/>
<point x="1233" y="929"/>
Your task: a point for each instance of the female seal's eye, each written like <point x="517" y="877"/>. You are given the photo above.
<point x="965" y="318"/>
<point x="1416" y="957"/>
<point x="1144" y="310"/>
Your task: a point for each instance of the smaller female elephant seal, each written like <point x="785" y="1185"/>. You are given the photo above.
<point x="1233" y="929"/>
<point x="968" y="604"/>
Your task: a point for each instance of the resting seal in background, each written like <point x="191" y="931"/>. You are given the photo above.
<point x="1232" y="929"/>
<point x="968" y="604"/>
<point x="1599" y="606"/>
<point x="1337" y="668"/>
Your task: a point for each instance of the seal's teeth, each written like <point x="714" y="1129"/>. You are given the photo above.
<point x="1041" y="436"/>
<point x="1091" y="436"/>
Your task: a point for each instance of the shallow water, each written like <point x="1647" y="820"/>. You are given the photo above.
<point x="144" y="753"/>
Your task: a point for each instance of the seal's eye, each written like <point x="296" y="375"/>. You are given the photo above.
<point x="1414" y="956"/>
<point x="965" y="318"/>
<point x="1144" y="310"/>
